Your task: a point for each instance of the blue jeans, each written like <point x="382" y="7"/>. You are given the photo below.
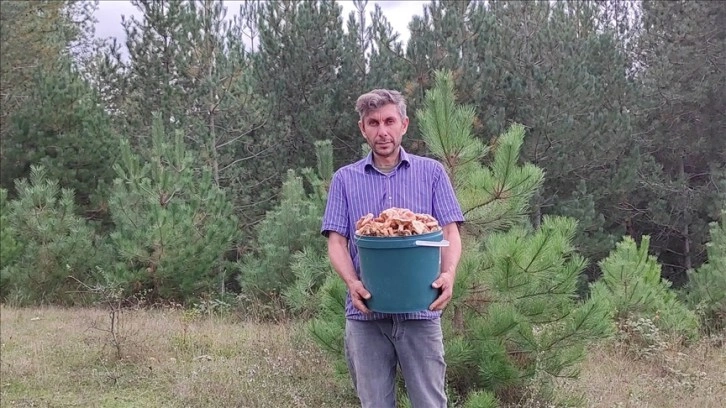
<point x="373" y="348"/>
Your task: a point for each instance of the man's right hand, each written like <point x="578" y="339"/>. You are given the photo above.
<point x="358" y="293"/>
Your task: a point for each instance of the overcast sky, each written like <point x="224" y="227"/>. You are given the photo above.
<point x="398" y="13"/>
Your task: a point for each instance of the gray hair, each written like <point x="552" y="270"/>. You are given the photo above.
<point x="379" y="98"/>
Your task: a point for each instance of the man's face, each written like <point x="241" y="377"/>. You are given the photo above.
<point x="383" y="129"/>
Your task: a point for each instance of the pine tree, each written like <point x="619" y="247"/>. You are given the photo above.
<point x="632" y="287"/>
<point x="189" y="63"/>
<point x="34" y="37"/>
<point x="546" y="66"/>
<point x="352" y="80"/>
<point x="173" y="223"/>
<point x="513" y="316"/>
<point x="291" y="259"/>
<point x="706" y="289"/>
<point x="297" y="67"/>
<point x="680" y="119"/>
<point x="10" y="247"/>
<point x="50" y="115"/>
<point x="493" y="197"/>
<point x="58" y="250"/>
<point x="63" y="128"/>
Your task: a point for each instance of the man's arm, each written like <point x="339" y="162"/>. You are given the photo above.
<point x="449" y="260"/>
<point x="343" y="265"/>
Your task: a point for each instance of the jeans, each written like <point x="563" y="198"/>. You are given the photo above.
<point x="373" y="348"/>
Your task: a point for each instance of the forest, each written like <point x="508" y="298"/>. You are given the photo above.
<point x="189" y="164"/>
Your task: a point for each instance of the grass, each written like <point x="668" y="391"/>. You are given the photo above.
<point x="53" y="357"/>
<point x="672" y="377"/>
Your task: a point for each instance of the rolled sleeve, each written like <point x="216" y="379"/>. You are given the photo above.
<point x="336" y="209"/>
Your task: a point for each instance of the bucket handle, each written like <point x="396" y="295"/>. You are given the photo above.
<point x="443" y="243"/>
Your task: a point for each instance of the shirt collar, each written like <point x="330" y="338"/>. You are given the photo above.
<point x="405" y="158"/>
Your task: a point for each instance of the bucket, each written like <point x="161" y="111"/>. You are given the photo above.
<point x="399" y="271"/>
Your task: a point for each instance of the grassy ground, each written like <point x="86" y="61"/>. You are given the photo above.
<point x="67" y="358"/>
<point x="55" y="357"/>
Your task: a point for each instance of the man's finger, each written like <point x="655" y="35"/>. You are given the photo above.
<point x="440" y="302"/>
<point x="359" y="304"/>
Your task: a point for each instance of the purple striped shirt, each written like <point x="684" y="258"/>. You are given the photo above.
<point x="418" y="183"/>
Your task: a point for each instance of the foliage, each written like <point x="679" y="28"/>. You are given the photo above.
<point x="706" y="289"/>
<point x="679" y="113"/>
<point x="188" y="62"/>
<point x="632" y="287"/>
<point x="328" y="326"/>
<point x="519" y="314"/>
<point x="291" y="255"/>
<point x="494" y="197"/>
<point x="619" y="100"/>
<point x="481" y="399"/>
<point x="10" y="247"/>
<point x="34" y="37"/>
<point x="58" y="251"/>
<point x="63" y="128"/>
<point x="298" y="62"/>
<point x="173" y="224"/>
<point x="514" y="315"/>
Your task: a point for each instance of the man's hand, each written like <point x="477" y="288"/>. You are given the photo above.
<point x="445" y="282"/>
<point x="358" y="293"/>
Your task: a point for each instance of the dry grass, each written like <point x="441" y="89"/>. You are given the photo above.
<point x="55" y="357"/>
<point x="66" y="358"/>
<point x="670" y="377"/>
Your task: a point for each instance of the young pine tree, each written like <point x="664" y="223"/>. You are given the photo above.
<point x="63" y="127"/>
<point x="632" y="287"/>
<point x="9" y="245"/>
<point x="173" y="223"/>
<point x="56" y="249"/>
<point x="290" y="261"/>
<point x="706" y="289"/>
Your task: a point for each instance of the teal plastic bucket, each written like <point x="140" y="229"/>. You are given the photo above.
<point x="399" y="271"/>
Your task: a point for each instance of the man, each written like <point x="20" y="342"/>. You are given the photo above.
<point x="389" y="177"/>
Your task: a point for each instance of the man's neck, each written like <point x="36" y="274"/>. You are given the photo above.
<point x="390" y="162"/>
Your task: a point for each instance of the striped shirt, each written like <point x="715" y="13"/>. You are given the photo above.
<point x="418" y="183"/>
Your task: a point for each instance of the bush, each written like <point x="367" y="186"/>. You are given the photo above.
<point x="632" y="287"/>
<point x="56" y="250"/>
<point x="10" y="248"/>
<point x="291" y="263"/>
<point x="706" y="289"/>
<point x="173" y="223"/>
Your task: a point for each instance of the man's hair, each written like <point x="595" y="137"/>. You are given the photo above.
<point x="379" y="98"/>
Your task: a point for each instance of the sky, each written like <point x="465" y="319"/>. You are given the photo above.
<point x="398" y="13"/>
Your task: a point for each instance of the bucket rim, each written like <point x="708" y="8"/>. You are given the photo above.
<point x="399" y="238"/>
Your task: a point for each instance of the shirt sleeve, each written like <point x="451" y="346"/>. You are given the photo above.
<point x="446" y="207"/>
<point x="335" y="217"/>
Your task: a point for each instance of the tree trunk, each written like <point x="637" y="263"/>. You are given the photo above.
<point x="687" y="261"/>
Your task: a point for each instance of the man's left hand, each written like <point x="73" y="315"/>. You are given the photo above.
<point x="445" y="282"/>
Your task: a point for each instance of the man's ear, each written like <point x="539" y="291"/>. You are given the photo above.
<point x="362" y="127"/>
<point x="405" y="125"/>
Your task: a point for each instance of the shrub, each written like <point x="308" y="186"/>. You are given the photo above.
<point x="632" y="287"/>
<point x="706" y="289"/>
<point x="173" y="224"/>
<point x="291" y="263"/>
<point x="56" y="248"/>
